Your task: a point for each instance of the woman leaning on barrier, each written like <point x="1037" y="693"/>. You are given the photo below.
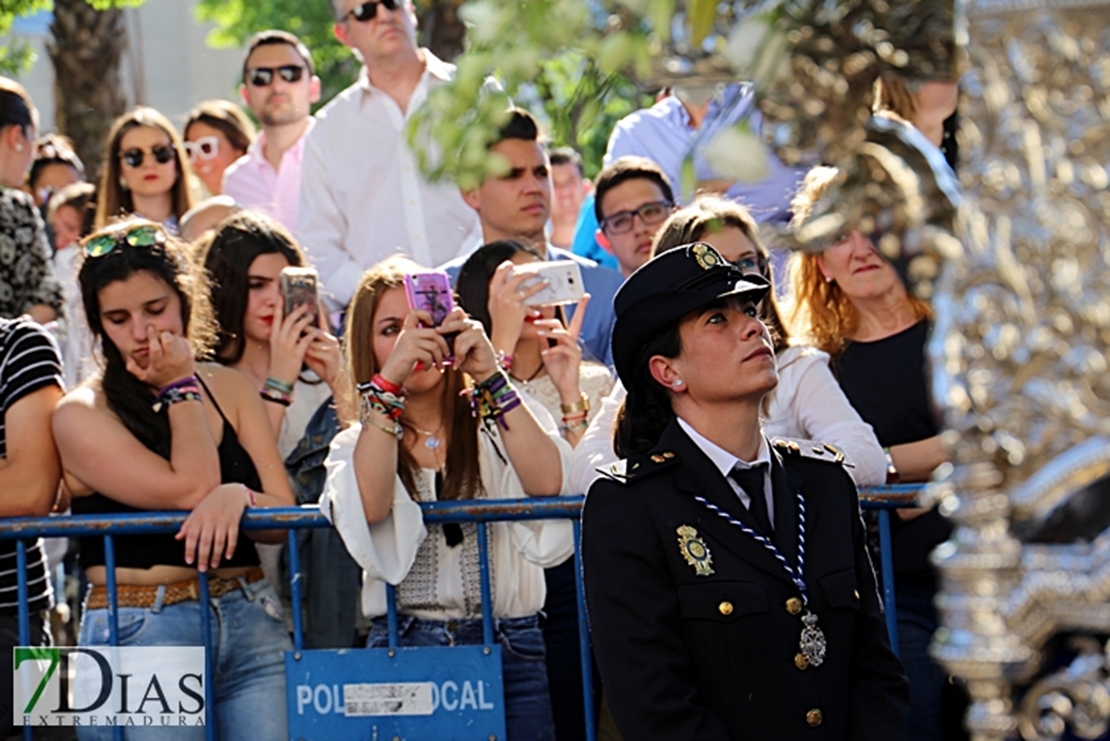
<point x="154" y="431"/>
<point x="418" y="441"/>
<point x="729" y="589"/>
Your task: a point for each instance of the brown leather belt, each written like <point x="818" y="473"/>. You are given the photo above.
<point x="135" y="595"/>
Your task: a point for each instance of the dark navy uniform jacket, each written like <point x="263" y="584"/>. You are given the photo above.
<point x="716" y="655"/>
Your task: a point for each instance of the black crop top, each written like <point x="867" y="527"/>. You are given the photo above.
<point x="144" y="551"/>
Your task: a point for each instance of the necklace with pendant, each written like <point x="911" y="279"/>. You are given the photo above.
<point x="811" y="643"/>
<point x="433" y="440"/>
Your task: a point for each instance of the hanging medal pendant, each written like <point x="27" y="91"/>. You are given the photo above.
<point x="812" y="641"/>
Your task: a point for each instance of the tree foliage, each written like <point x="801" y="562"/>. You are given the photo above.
<point x="16" y="57"/>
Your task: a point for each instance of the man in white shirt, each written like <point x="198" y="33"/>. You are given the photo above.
<point x="362" y="195"/>
<point x="516" y="204"/>
<point x="279" y="86"/>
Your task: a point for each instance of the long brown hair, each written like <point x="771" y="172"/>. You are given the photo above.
<point x="112" y="200"/>
<point x="821" y="312"/>
<point x="711" y="213"/>
<point x="462" y="478"/>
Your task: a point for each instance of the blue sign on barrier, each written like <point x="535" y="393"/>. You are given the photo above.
<point x="403" y="693"/>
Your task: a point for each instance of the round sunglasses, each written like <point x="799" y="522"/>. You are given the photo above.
<point x="367" y="11"/>
<point x="162" y="154"/>
<point x="264" y="76"/>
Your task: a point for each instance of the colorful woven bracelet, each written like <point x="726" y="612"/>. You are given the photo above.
<point x="275" y="396"/>
<point x="495" y="397"/>
<point x="386" y="385"/>
<point x="278" y="385"/>
<point x="186" y="382"/>
<point x="174" y="395"/>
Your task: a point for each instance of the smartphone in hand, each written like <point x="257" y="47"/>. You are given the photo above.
<point x="431" y="292"/>
<point x="564" y="282"/>
<point x="300" y="286"/>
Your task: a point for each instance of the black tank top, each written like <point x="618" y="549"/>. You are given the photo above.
<point x="144" y="551"/>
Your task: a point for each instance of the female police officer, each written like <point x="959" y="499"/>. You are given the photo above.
<point x="729" y="592"/>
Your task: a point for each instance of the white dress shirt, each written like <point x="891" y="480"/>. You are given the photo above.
<point x="807" y="404"/>
<point x="726" y="462"/>
<point x="362" y="195"/>
<point x="254" y="183"/>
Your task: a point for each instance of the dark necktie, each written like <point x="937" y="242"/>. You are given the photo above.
<point x="751" y="480"/>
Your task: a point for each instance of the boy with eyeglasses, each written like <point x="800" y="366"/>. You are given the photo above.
<point x="279" y="87"/>
<point x="363" y="197"/>
<point x="632" y="200"/>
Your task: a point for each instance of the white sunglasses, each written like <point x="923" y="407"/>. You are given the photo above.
<point x="204" y="148"/>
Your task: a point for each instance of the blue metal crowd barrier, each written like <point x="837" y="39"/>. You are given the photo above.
<point x="882" y="499"/>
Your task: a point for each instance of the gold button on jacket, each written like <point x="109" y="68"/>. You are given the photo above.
<point x="801" y="661"/>
<point x="725" y="608"/>
<point x="793" y="605"/>
<point x="813" y="717"/>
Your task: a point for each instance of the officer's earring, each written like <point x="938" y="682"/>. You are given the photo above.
<point x="677" y="383"/>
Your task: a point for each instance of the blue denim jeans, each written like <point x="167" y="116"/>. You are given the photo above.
<point x="917" y="621"/>
<point x="248" y="644"/>
<point x="523" y="673"/>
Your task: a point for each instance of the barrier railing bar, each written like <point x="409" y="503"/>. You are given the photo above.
<point x="890" y="611"/>
<point x="391" y="615"/>
<point x="295" y="578"/>
<point x="113" y="606"/>
<point x="585" y="655"/>
<point x="483" y="580"/>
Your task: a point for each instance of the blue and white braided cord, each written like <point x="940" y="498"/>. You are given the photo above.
<point x="795" y="575"/>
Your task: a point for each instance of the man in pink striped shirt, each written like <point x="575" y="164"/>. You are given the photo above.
<point x="279" y="87"/>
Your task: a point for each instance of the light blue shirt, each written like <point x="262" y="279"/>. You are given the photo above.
<point x="663" y="134"/>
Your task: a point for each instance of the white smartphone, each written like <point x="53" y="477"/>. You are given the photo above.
<point x="564" y="282"/>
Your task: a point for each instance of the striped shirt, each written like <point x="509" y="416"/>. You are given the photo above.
<point x="29" y="361"/>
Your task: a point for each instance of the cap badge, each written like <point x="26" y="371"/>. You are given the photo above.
<point x="694" y="550"/>
<point x="706" y="256"/>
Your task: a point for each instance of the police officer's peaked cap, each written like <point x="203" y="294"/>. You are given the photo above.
<point x="667" y="288"/>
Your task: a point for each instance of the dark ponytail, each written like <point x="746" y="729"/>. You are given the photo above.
<point x="646" y="410"/>
<point x="15" y="106"/>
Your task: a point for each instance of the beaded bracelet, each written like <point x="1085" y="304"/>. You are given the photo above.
<point x="278" y="385"/>
<point x="505" y="361"/>
<point x="579" y="424"/>
<point x="275" y="396"/>
<point x="493" y="398"/>
<point x="174" y="394"/>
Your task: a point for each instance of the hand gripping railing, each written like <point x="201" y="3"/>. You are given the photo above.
<point x="21" y="529"/>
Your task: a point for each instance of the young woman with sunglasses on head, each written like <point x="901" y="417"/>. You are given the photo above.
<point x="158" y="430"/>
<point x="146" y="172"/>
<point x="418" y="441"/>
<point x="807" y="403"/>
<point x="217" y="133"/>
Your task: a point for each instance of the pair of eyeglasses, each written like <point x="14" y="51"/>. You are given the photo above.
<point x="145" y="235"/>
<point x="204" y="148"/>
<point x="751" y="264"/>
<point x="367" y="11"/>
<point x="650" y="213"/>
<point x="264" y="76"/>
<point x="162" y="154"/>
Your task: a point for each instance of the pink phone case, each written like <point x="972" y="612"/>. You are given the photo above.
<point x="430" y="292"/>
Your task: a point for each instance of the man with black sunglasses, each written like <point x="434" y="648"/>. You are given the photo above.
<point x="279" y="87"/>
<point x="363" y="197"/>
